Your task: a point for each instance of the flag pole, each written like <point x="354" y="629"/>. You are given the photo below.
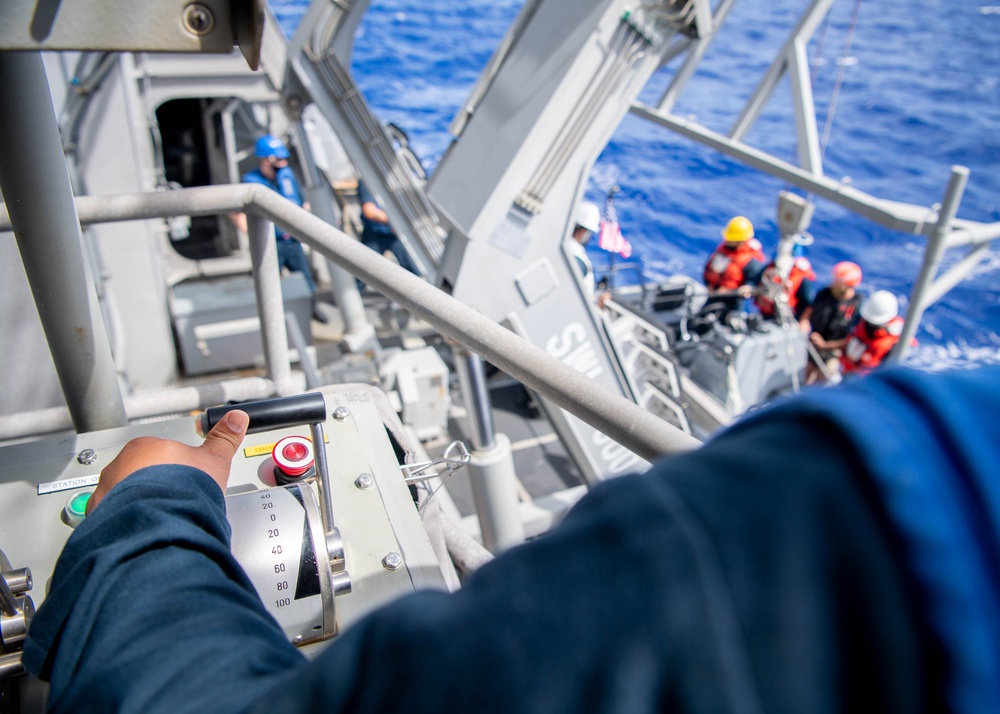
<point x="609" y="201"/>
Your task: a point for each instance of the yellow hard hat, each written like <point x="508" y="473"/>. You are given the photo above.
<point x="738" y="229"/>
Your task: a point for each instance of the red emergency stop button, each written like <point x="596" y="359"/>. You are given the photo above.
<point x="293" y="456"/>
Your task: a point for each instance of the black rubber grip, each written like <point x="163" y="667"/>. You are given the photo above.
<point x="267" y="414"/>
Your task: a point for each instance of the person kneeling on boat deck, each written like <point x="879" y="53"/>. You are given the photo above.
<point x="737" y="262"/>
<point x="587" y="222"/>
<point x="789" y="280"/>
<point x="832" y="317"/>
<point x="274" y="172"/>
<point x="860" y="576"/>
<point x="875" y="335"/>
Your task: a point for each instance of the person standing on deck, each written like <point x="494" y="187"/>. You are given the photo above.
<point x="791" y="277"/>
<point x="587" y="222"/>
<point x="274" y="172"/>
<point x="737" y="261"/>
<point x="875" y="335"/>
<point x="832" y="317"/>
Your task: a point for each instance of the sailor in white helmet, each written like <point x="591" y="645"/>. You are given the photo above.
<point x="876" y="334"/>
<point x="587" y="222"/>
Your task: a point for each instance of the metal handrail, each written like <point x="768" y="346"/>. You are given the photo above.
<point x="624" y="421"/>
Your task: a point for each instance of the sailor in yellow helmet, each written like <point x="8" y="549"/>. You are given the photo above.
<point x="738" y="260"/>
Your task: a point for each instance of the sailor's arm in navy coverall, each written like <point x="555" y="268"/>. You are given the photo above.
<point x="760" y="573"/>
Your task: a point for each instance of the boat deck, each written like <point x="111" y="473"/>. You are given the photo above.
<point x="541" y="462"/>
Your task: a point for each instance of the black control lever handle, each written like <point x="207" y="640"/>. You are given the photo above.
<point x="268" y="414"/>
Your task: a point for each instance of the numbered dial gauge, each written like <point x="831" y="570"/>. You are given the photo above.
<point x="278" y="539"/>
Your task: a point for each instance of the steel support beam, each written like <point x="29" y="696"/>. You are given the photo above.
<point x="472" y="377"/>
<point x="897" y="216"/>
<point x="932" y="258"/>
<point x="175" y="400"/>
<point x="810" y="156"/>
<point x="37" y="192"/>
<point x="270" y="302"/>
<point x="803" y="31"/>
<point x="707" y="26"/>
<point x="955" y="274"/>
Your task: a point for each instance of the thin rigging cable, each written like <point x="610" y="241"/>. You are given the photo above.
<point x="831" y="110"/>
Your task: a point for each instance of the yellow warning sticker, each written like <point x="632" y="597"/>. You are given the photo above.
<point x="262" y="450"/>
<point x="265" y="449"/>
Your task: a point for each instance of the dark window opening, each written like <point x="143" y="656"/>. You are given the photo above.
<point x="193" y="150"/>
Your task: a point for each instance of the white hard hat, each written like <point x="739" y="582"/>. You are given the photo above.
<point x="881" y="307"/>
<point x="588" y="216"/>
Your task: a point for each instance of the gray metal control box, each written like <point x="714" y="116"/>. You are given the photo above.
<point x="373" y="510"/>
<point x="216" y="324"/>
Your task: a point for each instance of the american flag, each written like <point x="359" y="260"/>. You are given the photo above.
<point x="610" y="237"/>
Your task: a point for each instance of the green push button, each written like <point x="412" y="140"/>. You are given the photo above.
<point x="76" y="508"/>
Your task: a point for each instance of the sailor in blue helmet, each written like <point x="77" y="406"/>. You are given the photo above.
<point x="863" y="575"/>
<point x="274" y="172"/>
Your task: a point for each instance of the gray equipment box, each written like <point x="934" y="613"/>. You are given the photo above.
<point x="418" y="380"/>
<point x="216" y="324"/>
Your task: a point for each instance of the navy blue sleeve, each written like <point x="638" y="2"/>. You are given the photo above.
<point x="718" y="581"/>
<point x="364" y="195"/>
<point x="257" y="177"/>
<point x="149" y="612"/>
<point x="805" y="295"/>
<point x="753" y="271"/>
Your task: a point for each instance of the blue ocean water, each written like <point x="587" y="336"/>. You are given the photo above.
<point x="920" y="93"/>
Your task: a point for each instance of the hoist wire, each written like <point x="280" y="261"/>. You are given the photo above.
<point x="818" y="54"/>
<point x="831" y="109"/>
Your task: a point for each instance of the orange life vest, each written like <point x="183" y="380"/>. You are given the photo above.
<point x="866" y="349"/>
<point x="724" y="270"/>
<point x="801" y="269"/>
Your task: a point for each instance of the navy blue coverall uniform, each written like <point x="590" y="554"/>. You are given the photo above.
<point x="290" y="252"/>
<point x="860" y="575"/>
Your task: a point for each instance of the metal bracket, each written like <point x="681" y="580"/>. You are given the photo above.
<point x="124" y="25"/>
<point x="454" y="457"/>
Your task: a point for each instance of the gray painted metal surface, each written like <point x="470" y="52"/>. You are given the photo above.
<point x="792" y="58"/>
<point x="919" y="298"/>
<point x="270" y="304"/>
<point x="372" y="523"/>
<point x="510" y="183"/>
<point x="161" y="26"/>
<point x="218" y="327"/>
<point x="37" y="192"/>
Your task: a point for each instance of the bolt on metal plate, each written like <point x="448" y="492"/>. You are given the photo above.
<point x="198" y="19"/>
<point x="341" y="413"/>
<point x="392" y="561"/>
<point x="364" y="482"/>
<point x="87" y="456"/>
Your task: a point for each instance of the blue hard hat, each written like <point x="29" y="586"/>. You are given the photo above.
<point x="270" y="145"/>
